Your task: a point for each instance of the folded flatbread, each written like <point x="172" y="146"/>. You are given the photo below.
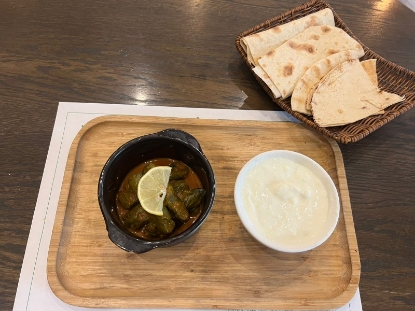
<point x="370" y="67"/>
<point x="264" y="77"/>
<point x="287" y="63"/>
<point x="308" y="82"/>
<point x="346" y="95"/>
<point x="261" y="43"/>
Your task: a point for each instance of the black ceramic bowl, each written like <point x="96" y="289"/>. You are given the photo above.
<point x="170" y="143"/>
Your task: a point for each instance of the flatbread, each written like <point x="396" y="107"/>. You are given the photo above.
<point x="308" y="82"/>
<point x="286" y="64"/>
<point x="346" y="95"/>
<point x="382" y="99"/>
<point x="264" y="77"/>
<point x="259" y="44"/>
<point x="370" y="67"/>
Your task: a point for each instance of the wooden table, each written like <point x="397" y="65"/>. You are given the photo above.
<point x="182" y="53"/>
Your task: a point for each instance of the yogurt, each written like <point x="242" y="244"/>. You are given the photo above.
<point x="287" y="202"/>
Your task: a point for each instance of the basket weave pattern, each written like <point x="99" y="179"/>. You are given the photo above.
<point x="391" y="77"/>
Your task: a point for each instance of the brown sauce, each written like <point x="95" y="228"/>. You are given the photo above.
<point x="192" y="181"/>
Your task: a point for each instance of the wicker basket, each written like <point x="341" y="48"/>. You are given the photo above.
<point x="391" y="78"/>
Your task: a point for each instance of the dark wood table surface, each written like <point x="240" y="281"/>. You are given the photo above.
<point x="182" y="53"/>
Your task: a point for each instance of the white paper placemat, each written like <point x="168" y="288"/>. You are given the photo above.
<point x="409" y="3"/>
<point x="33" y="291"/>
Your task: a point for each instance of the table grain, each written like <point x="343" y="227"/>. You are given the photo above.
<point x="182" y="53"/>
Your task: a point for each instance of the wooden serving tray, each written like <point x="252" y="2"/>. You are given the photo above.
<point x="221" y="266"/>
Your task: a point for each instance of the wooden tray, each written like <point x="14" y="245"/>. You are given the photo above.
<point x="391" y="77"/>
<point x="221" y="266"/>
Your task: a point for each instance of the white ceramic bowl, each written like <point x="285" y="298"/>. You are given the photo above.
<point x="255" y="227"/>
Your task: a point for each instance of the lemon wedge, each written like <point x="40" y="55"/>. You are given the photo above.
<point x="151" y="189"/>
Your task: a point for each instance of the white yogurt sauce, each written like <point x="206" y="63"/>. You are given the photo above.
<point x="286" y="201"/>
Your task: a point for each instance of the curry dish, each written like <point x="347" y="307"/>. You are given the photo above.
<point x="182" y="204"/>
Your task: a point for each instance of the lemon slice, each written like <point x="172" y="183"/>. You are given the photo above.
<point x="151" y="189"/>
